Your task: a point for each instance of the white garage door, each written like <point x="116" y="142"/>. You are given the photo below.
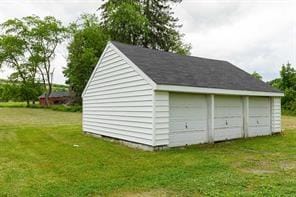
<point x="228" y="118"/>
<point x="188" y="119"/>
<point x="259" y="116"/>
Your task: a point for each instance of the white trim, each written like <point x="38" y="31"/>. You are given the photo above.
<point x="95" y="69"/>
<point x="153" y="118"/>
<point x="211" y="117"/>
<point x="245" y="116"/>
<point x="175" y="88"/>
<point x="136" y="68"/>
<point x="271" y="100"/>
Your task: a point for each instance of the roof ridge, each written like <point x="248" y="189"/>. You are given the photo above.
<point x="168" y="52"/>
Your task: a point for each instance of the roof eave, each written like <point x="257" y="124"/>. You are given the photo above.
<point x="189" y="89"/>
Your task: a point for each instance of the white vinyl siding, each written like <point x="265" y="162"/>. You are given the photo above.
<point x="118" y="102"/>
<point x="161" y="118"/>
<point x="121" y="101"/>
<point x="276" y="114"/>
<point x="259" y="116"/>
<point x="188" y="119"/>
<point x="228" y="119"/>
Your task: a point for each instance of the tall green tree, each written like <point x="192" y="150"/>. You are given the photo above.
<point x="46" y="34"/>
<point x="288" y="76"/>
<point x="13" y="54"/>
<point x="256" y="75"/>
<point x="86" y="46"/>
<point x="148" y="23"/>
<point x="34" y="41"/>
<point x="124" y="22"/>
<point x="287" y="83"/>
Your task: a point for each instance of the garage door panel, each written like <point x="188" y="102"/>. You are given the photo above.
<point x="228" y="118"/>
<point x="259" y="116"/>
<point x="193" y="111"/>
<point x="191" y="125"/>
<point x="231" y="101"/>
<point x="187" y="138"/>
<point x="256" y="111"/>
<point x="186" y="100"/>
<point x="228" y="122"/>
<point x="231" y="112"/>
<point x="255" y="131"/>
<point x="188" y="119"/>
<point x="259" y="121"/>
<point x="259" y="101"/>
<point x="227" y="133"/>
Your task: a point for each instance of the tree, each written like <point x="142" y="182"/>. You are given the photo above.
<point x="257" y="75"/>
<point x="46" y="35"/>
<point x="13" y="54"/>
<point x="288" y="76"/>
<point x="8" y="92"/>
<point x="287" y="83"/>
<point x="87" y="44"/>
<point x="276" y="83"/>
<point x="148" y="23"/>
<point x="126" y="24"/>
<point x="38" y="39"/>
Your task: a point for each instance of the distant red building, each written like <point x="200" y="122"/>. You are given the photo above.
<point x="55" y="98"/>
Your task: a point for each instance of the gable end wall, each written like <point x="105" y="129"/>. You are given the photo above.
<point x="118" y="102"/>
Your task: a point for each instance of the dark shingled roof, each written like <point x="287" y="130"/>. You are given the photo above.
<point x="56" y="94"/>
<point x="166" y="68"/>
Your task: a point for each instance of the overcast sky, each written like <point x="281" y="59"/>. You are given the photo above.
<point x="254" y="35"/>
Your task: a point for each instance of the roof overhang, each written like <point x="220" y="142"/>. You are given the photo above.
<point x="188" y="89"/>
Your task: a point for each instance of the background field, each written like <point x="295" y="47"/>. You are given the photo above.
<point x="44" y="153"/>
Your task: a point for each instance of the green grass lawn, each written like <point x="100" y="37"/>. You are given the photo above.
<point x="38" y="158"/>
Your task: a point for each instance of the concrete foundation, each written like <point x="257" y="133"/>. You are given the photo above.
<point x="128" y="143"/>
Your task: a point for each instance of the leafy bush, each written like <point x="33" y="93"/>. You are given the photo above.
<point x="64" y="108"/>
<point x="67" y="108"/>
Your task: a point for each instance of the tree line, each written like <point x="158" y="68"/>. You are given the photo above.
<point x="287" y="84"/>
<point x="12" y="91"/>
<point x="28" y="45"/>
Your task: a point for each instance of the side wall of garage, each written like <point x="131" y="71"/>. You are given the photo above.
<point x="161" y="118"/>
<point x="276" y="114"/>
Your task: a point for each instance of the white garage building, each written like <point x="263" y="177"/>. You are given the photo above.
<point x="161" y="99"/>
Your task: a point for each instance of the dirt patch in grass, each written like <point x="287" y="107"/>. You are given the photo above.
<point x="151" y="193"/>
<point x="6" y="136"/>
<point x="288" y="165"/>
<point x="256" y="166"/>
<point x="288" y="122"/>
<point x="259" y="171"/>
